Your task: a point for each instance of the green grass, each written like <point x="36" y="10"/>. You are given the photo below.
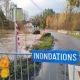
<point x="45" y="44"/>
<point x="74" y="35"/>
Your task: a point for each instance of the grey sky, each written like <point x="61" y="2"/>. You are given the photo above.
<point x="27" y="5"/>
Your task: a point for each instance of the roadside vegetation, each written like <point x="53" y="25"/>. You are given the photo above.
<point x="6" y="23"/>
<point x="74" y="35"/>
<point x="45" y="44"/>
<point x="69" y="19"/>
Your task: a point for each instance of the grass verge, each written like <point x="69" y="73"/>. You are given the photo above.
<point x="77" y="36"/>
<point x="46" y="43"/>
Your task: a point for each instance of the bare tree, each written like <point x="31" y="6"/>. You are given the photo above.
<point x="11" y="5"/>
<point x="6" y="6"/>
<point x="25" y="15"/>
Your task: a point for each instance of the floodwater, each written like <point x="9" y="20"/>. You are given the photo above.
<point x="7" y="43"/>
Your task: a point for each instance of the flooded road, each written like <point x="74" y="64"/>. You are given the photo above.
<point x="52" y="71"/>
<point x="7" y="43"/>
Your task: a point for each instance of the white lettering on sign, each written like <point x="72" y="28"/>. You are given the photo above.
<point x="55" y="56"/>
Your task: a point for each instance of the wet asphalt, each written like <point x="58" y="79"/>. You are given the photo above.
<point x="54" y="71"/>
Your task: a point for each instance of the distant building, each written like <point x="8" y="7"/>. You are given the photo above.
<point x="31" y="20"/>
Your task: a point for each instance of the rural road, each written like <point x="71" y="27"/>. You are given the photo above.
<point x="53" y="71"/>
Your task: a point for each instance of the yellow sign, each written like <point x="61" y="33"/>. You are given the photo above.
<point x="19" y="14"/>
<point x="4" y="73"/>
<point x="4" y="62"/>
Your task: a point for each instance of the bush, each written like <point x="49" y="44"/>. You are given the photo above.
<point x="44" y="45"/>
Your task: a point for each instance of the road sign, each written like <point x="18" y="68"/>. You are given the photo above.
<point x="19" y="14"/>
<point x="56" y="56"/>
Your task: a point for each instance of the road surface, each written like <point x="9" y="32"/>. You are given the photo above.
<point x="53" y="71"/>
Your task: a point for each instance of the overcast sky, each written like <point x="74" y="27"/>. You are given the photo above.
<point x="27" y="5"/>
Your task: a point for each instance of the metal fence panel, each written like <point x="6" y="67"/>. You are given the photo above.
<point x="27" y="69"/>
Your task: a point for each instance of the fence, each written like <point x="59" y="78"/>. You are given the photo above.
<point x="21" y="67"/>
<point x="24" y="68"/>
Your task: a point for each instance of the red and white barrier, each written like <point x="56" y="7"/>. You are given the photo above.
<point x="17" y="33"/>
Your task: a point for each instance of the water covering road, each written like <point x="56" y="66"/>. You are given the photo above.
<point x="53" y="71"/>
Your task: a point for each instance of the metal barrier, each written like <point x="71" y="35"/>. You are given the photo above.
<point x="25" y="69"/>
<point x="21" y="68"/>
